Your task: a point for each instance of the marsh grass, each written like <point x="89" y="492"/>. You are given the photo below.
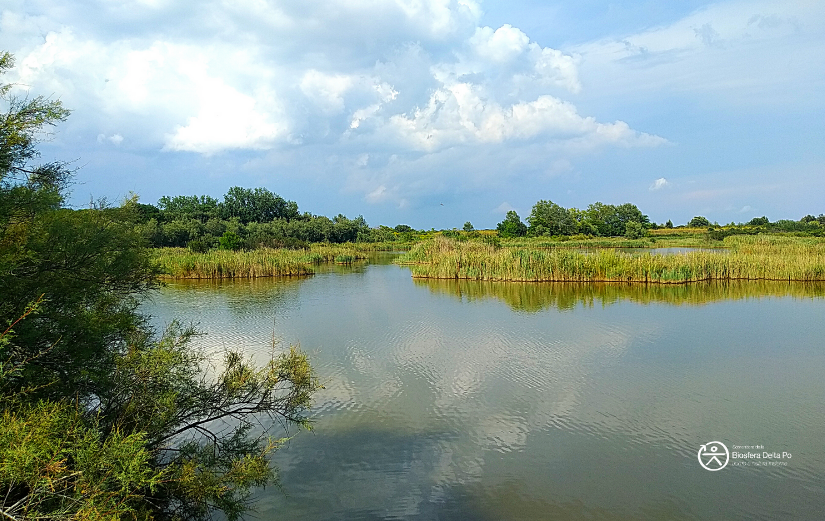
<point x="180" y="263"/>
<point x="760" y="257"/>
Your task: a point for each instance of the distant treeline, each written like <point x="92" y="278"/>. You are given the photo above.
<point x="248" y="219"/>
<point x="606" y="220"/>
<point x="253" y="218"/>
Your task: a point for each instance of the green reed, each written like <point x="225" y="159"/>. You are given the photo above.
<point x="748" y="258"/>
<point x="181" y="263"/>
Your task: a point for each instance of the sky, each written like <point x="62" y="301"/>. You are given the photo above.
<point x="433" y="113"/>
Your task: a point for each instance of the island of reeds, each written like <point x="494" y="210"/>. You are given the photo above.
<point x="759" y="257"/>
<point x="183" y="263"/>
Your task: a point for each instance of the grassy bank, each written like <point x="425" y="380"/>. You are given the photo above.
<point x="181" y="263"/>
<point x="760" y="257"/>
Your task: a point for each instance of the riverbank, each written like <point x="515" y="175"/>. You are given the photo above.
<point x="759" y="257"/>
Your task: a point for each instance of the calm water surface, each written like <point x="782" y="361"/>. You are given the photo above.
<point x="455" y="400"/>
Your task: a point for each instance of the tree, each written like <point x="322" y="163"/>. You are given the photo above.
<point x="669" y="224"/>
<point x="629" y="212"/>
<point x="468" y="226"/>
<point x="698" y="222"/>
<point x="258" y="205"/>
<point x="183" y="207"/>
<point x="548" y="218"/>
<point x="759" y="221"/>
<point x="230" y="241"/>
<point x="512" y="226"/>
<point x="634" y="230"/>
<point x="101" y="418"/>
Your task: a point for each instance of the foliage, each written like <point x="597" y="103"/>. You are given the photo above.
<point x="230" y="241"/>
<point x="199" y="245"/>
<point x="607" y="220"/>
<point x="101" y="419"/>
<point x="698" y="222"/>
<point x="258" y="205"/>
<point x="511" y="226"/>
<point x="468" y="226"/>
<point x="758" y="221"/>
<point x="635" y="230"/>
<point x="56" y="465"/>
<point x="548" y="218"/>
<point x="184" y="207"/>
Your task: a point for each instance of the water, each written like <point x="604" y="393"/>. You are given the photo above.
<point x="458" y="400"/>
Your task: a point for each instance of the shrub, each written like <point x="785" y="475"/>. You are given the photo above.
<point x="230" y="241"/>
<point x="634" y="230"/>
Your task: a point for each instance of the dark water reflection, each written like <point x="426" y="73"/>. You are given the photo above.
<point x="456" y="400"/>
<point x="537" y="296"/>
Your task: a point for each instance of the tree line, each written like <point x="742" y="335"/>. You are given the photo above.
<point x="606" y="220"/>
<point x="598" y="219"/>
<point x="249" y="218"/>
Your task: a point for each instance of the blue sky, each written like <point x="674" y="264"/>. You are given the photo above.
<point x="437" y="112"/>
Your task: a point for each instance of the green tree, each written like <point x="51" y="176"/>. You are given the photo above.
<point x="548" y="218"/>
<point x="759" y="221"/>
<point x="635" y="230"/>
<point x="512" y="226"/>
<point x="698" y="222"/>
<point x="230" y="241"/>
<point x="184" y="207"/>
<point x="101" y="419"/>
<point x="468" y="227"/>
<point x="258" y="205"/>
<point x="603" y="218"/>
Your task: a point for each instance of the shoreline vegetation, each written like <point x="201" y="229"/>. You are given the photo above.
<point x="757" y="257"/>
<point x="485" y="257"/>
<point x="183" y="263"/>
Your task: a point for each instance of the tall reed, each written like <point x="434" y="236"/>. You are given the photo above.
<point x="749" y="258"/>
<point x="181" y="263"/>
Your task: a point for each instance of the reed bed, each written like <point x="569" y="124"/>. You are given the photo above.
<point x="749" y="258"/>
<point x="181" y="263"/>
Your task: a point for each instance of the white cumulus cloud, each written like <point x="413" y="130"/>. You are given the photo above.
<point x="659" y="184"/>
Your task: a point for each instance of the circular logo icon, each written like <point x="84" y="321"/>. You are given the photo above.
<point x="713" y="456"/>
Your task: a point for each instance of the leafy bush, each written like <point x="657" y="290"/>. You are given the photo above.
<point x="635" y="230"/>
<point x="200" y="245"/>
<point x="230" y="241"/>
